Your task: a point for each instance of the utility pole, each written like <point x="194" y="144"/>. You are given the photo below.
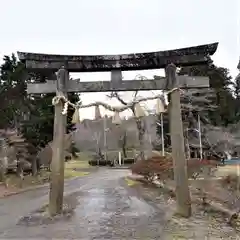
<point x="200" y="137"/>
<point x="177" y="142"/>
<point x="162" y="134"/>
<point x="105" y="137"/>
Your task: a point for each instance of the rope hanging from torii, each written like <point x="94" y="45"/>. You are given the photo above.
<point x="136" y="104"/>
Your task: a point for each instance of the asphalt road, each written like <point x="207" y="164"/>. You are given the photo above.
<point x="104" y="208"/>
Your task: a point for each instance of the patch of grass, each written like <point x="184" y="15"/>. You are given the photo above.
<point x="14" y="181"/>
<point x="77" y="167"/>
<point x="84" y="156"/>
<point x="131" y="182"/>
<point x="76" y="164"/>
<point x="72" y="173"/>
<point x="74" y="168"/>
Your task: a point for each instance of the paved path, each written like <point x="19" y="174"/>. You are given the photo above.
<point x="105" y="209"/>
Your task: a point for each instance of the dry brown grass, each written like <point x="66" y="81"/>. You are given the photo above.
<point x="231" y="182"/>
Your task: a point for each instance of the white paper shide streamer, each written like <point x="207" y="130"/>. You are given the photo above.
<point x="76" y="116"/>
<point x="159" y="106"/>
<point x="139" y="112"/>
<point x="116" y="119"/>
<point x="166" y="98"/>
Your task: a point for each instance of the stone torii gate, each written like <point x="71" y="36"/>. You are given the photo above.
<point x="47" y="65"/>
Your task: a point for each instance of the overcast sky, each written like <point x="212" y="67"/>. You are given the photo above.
<point x="120" y="26"/>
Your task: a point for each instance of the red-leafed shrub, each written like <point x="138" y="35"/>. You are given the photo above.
<point x="162" y="167"/>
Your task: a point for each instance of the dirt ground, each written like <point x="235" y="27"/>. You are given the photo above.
<point x="201" y="225"/>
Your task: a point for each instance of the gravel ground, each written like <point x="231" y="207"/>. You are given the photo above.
<point x="103" y="206"/>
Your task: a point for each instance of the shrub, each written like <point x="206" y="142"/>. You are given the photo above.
<point x="162" y="167"/>
<point x="157" y="165"/>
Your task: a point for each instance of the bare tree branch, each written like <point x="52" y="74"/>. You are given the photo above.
<point x="119" y="109"/>
<point x="116" y="95"/>
<point x="135" y="95"/>
<point x="140" y="78"/>
<point x="141" y="126"/>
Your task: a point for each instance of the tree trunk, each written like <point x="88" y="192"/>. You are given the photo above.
<point x="124" y="152"/>
<point x="141" y="132"/>
<point x="124" y="144"/>
<point x="38" y="164"/>
<point x="3" y="161"/>
<point x="3" y="170"/>
<point x="20" y="170"/>
<point x="34" y="166"/>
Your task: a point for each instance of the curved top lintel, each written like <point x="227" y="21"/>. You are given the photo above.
<point x="131" y="61"/>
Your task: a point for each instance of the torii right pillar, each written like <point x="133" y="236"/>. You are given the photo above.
<point x="177" y="141"/>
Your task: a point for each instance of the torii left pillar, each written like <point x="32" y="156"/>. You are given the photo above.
<point x="57" y="164"/>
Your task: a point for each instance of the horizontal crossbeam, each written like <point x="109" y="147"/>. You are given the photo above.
<point x="126" y="85"/>
<point x="135" y="61"/>
<point x="124" y="65"/>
